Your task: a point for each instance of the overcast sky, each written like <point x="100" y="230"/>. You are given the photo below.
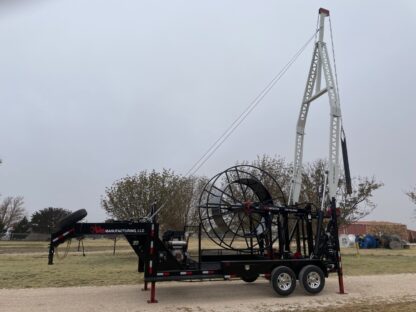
<point x="91" y="91"/>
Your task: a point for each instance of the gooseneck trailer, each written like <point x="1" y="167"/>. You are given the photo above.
<point x="283" y="243"/>
<point x="243" y="210"/>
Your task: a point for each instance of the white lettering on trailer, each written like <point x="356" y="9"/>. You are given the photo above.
<point x="124" y="231"/>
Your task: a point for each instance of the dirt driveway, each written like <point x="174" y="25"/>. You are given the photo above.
<point x="208" y="296"/>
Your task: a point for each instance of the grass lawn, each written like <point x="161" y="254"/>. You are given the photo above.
<point x="28" y="271"/>
<point x="22" y="247"/>
<point x="378" y="261"/>
<point x="24" y="265"/>
<point x="22" y="269"/>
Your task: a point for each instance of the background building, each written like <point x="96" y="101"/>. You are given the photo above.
<point x="379" y="228"/>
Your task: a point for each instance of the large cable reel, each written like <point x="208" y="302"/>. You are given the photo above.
<point x="226" y="208"/>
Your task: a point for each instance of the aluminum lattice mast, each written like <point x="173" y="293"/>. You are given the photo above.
<point x="320" y="65"/>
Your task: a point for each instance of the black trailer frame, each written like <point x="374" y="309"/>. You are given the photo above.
<point x="314" y="235"/>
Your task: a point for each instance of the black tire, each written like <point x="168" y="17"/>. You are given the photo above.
<point x="395" y="245"/>
<point x="283" y="280"/>
<point x="312" y="279"/>
<point x="250" y="278"/>
<point x="71" y="219"/>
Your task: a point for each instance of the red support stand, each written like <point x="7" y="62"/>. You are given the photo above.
<point x="334" y="215"/>
<point x="145" y="287"/>
<point x="340" y="276"/>
<point x="152" y="293"/>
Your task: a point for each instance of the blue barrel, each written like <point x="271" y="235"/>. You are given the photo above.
<point x="369" y="241"/>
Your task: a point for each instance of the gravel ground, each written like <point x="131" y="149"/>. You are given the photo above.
<point x="209" y="296"/>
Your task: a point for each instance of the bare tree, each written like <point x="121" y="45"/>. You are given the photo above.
<point x="192" y="213"/>
<point x="360" y="203"/>
<point x="412" y="196"/>
<point x="11" y="211"/>
<point x="277" y="167"/>
<point x="353" y="207"/>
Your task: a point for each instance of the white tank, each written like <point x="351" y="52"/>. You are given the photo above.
<point x="351" y="237"/>
<point x="346" y="240"/>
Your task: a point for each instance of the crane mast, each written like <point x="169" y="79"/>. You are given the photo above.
<point x="320" y="65"/>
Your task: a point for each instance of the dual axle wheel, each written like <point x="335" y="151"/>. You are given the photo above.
<point x="311" y="279"/>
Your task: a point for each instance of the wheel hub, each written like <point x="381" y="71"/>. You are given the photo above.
<point x="313" y="279"/>
<point x="284" y="281"/>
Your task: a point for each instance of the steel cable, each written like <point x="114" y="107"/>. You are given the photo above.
<point x="236" y="123"/>
<point x="226" y="134"/>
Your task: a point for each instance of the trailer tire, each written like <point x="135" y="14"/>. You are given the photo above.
<point x="249" y="278"/>
<point x="283" y="280"/>
<point x="312" y="279"/>
<point x="71" y="219"/>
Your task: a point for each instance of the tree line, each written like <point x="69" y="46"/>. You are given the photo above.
<point x="13" y="217"/>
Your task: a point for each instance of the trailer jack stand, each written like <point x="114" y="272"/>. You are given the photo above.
<point x="145" y="288"/>
<point x="152" y="293"/>
<point x="340" y="276"/>
<point x="341" y="283"/>
<point x="50" y="255"/>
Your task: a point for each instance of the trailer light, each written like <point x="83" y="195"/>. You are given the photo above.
<point x="151" y="248"/>
<point x="186" y="273"/>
